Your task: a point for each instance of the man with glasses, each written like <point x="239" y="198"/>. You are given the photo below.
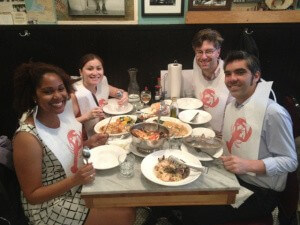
<point x="208" y="76"/>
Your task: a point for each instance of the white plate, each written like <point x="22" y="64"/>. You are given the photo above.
<point x="202" y="130"/>
<point x="201" y="155"/>
<point x="175" y="120"/>
<point x="106" y="156"/>
<point x="113" y="108"/>
<point x="189" y="103"/>
<point x="150" y="161"/>
<point x="113" y="119"/>
<point x="201" y="118"/>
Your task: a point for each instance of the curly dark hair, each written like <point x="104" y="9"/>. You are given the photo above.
<point x="207" y="35"/>
<point x="27" y="78"/>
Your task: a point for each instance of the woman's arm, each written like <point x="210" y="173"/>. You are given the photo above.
<point x="94" y="113"/>
<point x="114" y="92"/>
<point x="28" y="154"/>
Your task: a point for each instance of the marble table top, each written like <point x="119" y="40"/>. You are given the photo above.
<point x="109" y="182"/>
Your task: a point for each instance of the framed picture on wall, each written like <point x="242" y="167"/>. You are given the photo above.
<point x="96" y="7"/>
<point x="204" y="5"/>
<point x="162" y="7"/>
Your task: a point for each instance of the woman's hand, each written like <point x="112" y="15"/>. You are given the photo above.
<point x="124" y="99"/>
<point x="84" y="175"/>
<point x="96" y="113"/>
<point x="96" y="140"/>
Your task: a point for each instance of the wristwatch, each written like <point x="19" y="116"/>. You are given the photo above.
<point x="120" y="93"/>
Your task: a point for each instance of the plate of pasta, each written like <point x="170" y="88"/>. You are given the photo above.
<point x="176" y="127"/>
<point x="156" y="168"/>
<point x="116" y="125"/>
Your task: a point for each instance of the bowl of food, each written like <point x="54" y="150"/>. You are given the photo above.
<point x="148" y="136"/>
<point x="203" y="143"/>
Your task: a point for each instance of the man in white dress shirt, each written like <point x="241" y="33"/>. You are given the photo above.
<point x="259" y="145"/>
<point x="259" y="148"/>
<point x="208" y="75"/>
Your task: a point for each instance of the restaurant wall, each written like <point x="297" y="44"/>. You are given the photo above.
<point x="148" y="47"/>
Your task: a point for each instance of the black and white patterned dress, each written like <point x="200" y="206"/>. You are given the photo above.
<point x="66" y="209"/>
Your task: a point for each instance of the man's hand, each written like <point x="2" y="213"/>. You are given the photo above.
<point x="235" y="164"/>
<point x="238" y="165"/>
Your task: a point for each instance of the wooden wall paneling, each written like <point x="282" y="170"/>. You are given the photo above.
<point x="150" y="48"/>
<point x="240" y="17"/>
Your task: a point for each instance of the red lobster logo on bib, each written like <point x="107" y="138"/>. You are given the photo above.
<point x="75" y="141"/>
<point x="209" y="98"/>
<point x="241" y="132"/>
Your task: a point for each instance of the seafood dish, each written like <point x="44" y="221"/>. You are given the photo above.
<point x="153" y="111"/>
<point x="121" y="125"/>
<point x="148" y="134"/>
<point x="170" y="171"/>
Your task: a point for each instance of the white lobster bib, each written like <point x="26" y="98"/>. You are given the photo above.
<point x="87" y="103"/>
<point x="214" y="94"/>
<point x="243" y="126"/>
<point x="66" y="141"/>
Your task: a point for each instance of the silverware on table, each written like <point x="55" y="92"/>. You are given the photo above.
<point x="179" y="162"/>
<point x="104" y="132"/>
<point x="192" y="120"/>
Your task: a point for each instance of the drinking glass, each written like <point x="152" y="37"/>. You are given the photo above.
<point x="126" y="165"/>
<point x="145" y="96"/>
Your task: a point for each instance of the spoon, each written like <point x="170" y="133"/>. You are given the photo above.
<point x="86" y="154"/>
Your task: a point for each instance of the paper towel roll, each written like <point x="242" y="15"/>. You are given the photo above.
<point x="174" y="74"/>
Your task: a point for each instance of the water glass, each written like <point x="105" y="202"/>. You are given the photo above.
<point x="174" y="143"/>
<point x="126" y="164"/>
<point x="189" y="93"/>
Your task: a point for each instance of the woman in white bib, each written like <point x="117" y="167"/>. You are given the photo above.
<point x="93" y="90"/>
<point x="47" y="152"/>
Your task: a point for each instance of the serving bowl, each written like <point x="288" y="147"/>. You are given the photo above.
<point x="146" y="145"/>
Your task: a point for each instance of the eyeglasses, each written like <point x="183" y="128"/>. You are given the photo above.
<point x="208" y="52"/>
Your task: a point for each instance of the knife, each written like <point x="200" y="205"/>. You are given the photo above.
<point x="95" y="99"/>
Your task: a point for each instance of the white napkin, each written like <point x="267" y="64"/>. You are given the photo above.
<point x="241" y="197"/>
<point x="123" y="143"/>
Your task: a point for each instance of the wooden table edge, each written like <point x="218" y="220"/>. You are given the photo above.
<point x="161" y="199"/>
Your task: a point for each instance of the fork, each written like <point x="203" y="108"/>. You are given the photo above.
<point x="210" y="155"/>
<point x="104" y="132"/>
<point x="179" y="162"/>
